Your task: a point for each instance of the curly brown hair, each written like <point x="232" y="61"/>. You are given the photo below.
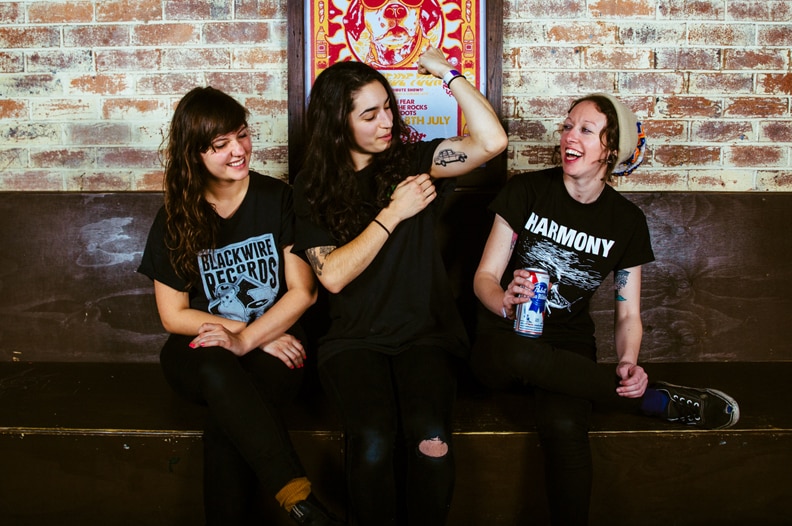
<point x="328" y="173"/>
<point x="201" y="115"/>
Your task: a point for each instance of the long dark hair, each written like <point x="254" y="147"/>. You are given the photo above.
<point x="609" y="136"/>
<point x="191" y="225"/>
<point x="328" y="172"/>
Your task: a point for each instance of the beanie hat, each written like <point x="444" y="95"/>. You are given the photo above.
<point x="632" y="139"/>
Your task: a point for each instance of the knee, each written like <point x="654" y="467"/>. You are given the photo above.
<point x="217" y="369"/>
<point x="564" y="429"/>
<point x="433" y="448"/>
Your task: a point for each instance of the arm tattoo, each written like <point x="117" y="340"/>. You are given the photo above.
<point x="448" y="156"/>
<point x="619" y="282"/>
<point x="316" y="257"/>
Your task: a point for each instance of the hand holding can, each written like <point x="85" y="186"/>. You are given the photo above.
<point x="529" y="316"/>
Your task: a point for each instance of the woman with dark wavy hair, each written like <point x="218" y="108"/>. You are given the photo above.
<point x="367" y="204"/>
<point x="230" y="293"/>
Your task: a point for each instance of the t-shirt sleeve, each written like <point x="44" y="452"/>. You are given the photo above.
<point x="155" y="262"/>
<point x="307" y="234"/>
<point x="639" y="250"/>
<point x="287" y="217"/>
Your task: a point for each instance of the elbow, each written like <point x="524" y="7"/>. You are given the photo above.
<point x="501" y="141"/>
<point x="168" y="325"/>
<point x="333" y="286"/>
<point x="312" y="296"/>
<point x="495" y="143"/>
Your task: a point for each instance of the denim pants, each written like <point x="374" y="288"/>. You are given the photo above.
<point x="389" y="405"/>
<point x="245" y="438"/>
<point x="566" y="384"/>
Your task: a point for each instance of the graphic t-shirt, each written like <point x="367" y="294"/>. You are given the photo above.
<point x="244" y="275"/>
<point x="403" y="297"/>
<point x="577" y="244"/>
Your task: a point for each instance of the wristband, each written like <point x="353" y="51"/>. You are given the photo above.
<point x="383" y="227"/>
<point x="450" y="76"/>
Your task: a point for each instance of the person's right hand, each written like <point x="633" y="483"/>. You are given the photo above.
<point x="519" y="290"/>
<point x="412" y="195"/>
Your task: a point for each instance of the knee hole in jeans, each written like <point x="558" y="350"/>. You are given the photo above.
<point x="433" y="447"/>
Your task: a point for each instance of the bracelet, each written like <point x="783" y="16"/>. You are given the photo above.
<point x="449" y="77"/>
<point x="383" y="226"/>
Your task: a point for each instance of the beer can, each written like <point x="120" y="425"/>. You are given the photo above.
<point x="529" y="319"/>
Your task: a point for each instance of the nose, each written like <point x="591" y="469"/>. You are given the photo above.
<point x="395" y="12"/>
<point x="237" y="148"/>
<point x="386" y="119"/>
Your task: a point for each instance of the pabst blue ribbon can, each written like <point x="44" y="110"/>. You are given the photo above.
<point x="529" y="320"/>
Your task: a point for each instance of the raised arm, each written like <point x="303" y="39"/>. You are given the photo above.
<point x="486" y="137"/>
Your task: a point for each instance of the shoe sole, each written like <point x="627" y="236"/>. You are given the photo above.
<point x="735" y="414"/>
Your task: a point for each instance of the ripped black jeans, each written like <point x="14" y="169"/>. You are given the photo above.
<point x="391" y="405"/>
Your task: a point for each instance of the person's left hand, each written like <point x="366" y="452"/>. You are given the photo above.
<point x="634" y="380"/>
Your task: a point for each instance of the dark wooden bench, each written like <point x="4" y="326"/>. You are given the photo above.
<point x="89" y="431"/>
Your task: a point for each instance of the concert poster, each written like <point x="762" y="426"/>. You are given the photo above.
<point x="390" y="35"/>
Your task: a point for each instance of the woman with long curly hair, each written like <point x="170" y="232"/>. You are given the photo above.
<point x="367" y="204"/>
<point x="230" y="293"/>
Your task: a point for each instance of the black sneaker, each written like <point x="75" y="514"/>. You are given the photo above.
<point x="310" y="512"/>
<point x="705" y="408"/>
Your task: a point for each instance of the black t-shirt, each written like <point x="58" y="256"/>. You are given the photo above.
<point x="403" y="297"/>
<point x="244" y="275"/>
<point x="577" y="244"/>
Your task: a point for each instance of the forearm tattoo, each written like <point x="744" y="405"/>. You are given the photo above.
<point x="316" y="257"/>
<point x="619" y="282"/>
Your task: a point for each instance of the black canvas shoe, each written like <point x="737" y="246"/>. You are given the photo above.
<point x="704" y="408"/>
<point x="310" y="512"/>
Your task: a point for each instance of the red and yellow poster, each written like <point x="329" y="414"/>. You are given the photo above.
<point x="390" y="35"/>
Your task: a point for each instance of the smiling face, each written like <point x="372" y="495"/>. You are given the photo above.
<point x="229" y="157"/>
<point x="370" y="123"/>
<point x="583" y="154"/>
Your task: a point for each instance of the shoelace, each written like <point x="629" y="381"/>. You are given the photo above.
<point x="688" y="410"/>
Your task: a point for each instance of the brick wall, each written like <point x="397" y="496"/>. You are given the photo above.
<point x="87" y="86"/>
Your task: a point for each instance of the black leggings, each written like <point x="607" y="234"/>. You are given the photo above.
<point x="566" y="384"/>
<point x="245" y="437"/>
<point x="381" y="398"/>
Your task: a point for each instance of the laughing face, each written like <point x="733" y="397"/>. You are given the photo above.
<point x="583" y="153"/>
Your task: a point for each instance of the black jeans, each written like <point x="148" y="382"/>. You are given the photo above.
<point x="381" y="399"/>
<point x="567" y="382"/>
<point x="245" y="438"/>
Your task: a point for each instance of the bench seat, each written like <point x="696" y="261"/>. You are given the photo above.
<point x="112" y="441"/>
